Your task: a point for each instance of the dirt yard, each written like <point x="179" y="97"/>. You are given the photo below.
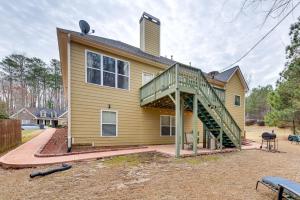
<point x="150" y="176"/>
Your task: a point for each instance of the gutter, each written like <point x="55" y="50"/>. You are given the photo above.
<point x="69" y="94"/>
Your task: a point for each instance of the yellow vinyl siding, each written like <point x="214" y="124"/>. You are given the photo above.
<point x="188" y="125"/>
<point x="150" y="37"/>
<point x="235" y="87"/>
<point x="136" y="125"/>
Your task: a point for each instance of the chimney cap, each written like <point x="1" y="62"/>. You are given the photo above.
<point x="150" y="18"/>
<point x="212" y="74"/>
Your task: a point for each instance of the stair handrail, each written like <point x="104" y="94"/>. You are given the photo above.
<point x="202" y="76"/>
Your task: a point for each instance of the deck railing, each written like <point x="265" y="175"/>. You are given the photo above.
<point x="160" y="83"/>
<point x="192" y="79"/>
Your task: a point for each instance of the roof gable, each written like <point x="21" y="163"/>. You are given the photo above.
<point x="22" y="110"/>
<point x="228" y="74"/>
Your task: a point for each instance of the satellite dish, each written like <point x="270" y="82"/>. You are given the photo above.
<point x="84" y="26"/>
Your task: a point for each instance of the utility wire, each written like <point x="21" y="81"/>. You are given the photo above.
<point x="259" y="41"/>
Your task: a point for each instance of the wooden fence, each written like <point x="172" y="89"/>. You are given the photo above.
<point x="10" y="133"/>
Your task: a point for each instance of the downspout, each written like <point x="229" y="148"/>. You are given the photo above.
<point x="69" y="94"/>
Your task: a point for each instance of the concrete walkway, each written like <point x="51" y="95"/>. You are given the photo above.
<point x="23" y="156"/>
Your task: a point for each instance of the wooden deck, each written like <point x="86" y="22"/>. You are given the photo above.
<point x="182" y="87"/>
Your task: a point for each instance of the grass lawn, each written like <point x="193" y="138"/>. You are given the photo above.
<point x="29" y="134"/>
<point x="151" y="176"/>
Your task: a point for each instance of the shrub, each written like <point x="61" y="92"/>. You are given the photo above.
<point x="3" y="116"/>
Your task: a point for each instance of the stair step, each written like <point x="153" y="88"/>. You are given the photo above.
<point x="212" y="125"/>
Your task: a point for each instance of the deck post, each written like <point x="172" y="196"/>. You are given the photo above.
<point x="204" y="137"/>
<point x="221" y="139"/>
<point x="240" y="142"/>
<point x="182" y="123"/>
<point x="195" y="124"/>
<point x="177" y="117"/>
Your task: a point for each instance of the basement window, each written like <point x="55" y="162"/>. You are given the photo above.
<point x="237" y="100"/>
<point x="167" y="125"/>
<point x="109" y="123"/>
<point x="107" y="71"/>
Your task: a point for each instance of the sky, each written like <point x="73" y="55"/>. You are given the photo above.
<point x="209" y="34"/>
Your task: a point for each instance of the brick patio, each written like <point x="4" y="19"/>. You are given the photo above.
<point x="24" y="155"/>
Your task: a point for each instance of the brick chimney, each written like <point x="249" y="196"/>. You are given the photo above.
<point x="150" y="34"/>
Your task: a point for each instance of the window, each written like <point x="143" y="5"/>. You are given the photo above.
<point x="109" y="123"/>
<point x="25" y="121"/>
<point x="53" y="114"/>
<point x="237" y="100"/>
<point x="167" y="125"/>
<point x="123" y="74"/>
<point x="146" y="77"/>
<point x="93" y="68"/>
<point x="107" y="71"/>
<point x="43" y="113"/>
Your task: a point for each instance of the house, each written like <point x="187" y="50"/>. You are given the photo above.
<point x="48" y="117"/>
<point x="119" y="94"/>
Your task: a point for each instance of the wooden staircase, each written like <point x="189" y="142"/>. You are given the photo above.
<point x="211" y="109"/>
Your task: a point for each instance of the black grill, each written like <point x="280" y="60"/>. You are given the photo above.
<point x="268" y="136"/>
<point x="270" y="139"/>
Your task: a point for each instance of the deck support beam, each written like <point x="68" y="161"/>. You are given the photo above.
<point x="178" y="123"/>
<point x="195" y="124"/>
<point x="172" y="98"/>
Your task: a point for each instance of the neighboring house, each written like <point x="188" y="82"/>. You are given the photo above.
<point x="119" y="94"/>
<point x="49" y="117"/>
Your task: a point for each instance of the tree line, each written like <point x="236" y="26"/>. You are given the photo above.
<point x="281" y="106"/>
<point x="30" y="82"/>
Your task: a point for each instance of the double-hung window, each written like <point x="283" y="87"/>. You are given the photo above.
<point x="93" y="68"/>
<point x="109" y="123"/>
<point x="146" y="77"/>
<point x="237" y="100"/>
<point x="167" y="125"/>
<point x="123" y="74"/>
<point x="43" y="113"/>
<point x="107" y="71"/>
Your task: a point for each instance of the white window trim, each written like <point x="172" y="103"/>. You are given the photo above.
<point x="43" y="113"/>
<point x="101" y="71"/>
<point x="171" y="116"/>
<point x="234" y="100"/>
<point x="144" y="72"/>
<point x="117" y="122"/>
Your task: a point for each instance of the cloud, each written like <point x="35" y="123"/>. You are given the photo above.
<point x="209" y="34"/>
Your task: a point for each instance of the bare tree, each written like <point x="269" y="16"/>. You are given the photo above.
<point x="271" y="8"/>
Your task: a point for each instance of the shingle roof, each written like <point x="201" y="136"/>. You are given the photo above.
<point x="226" y="75"/>
<point x="223" y="76"/>
<point x="122" y="46"/>
<point x="37" y="111"/>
